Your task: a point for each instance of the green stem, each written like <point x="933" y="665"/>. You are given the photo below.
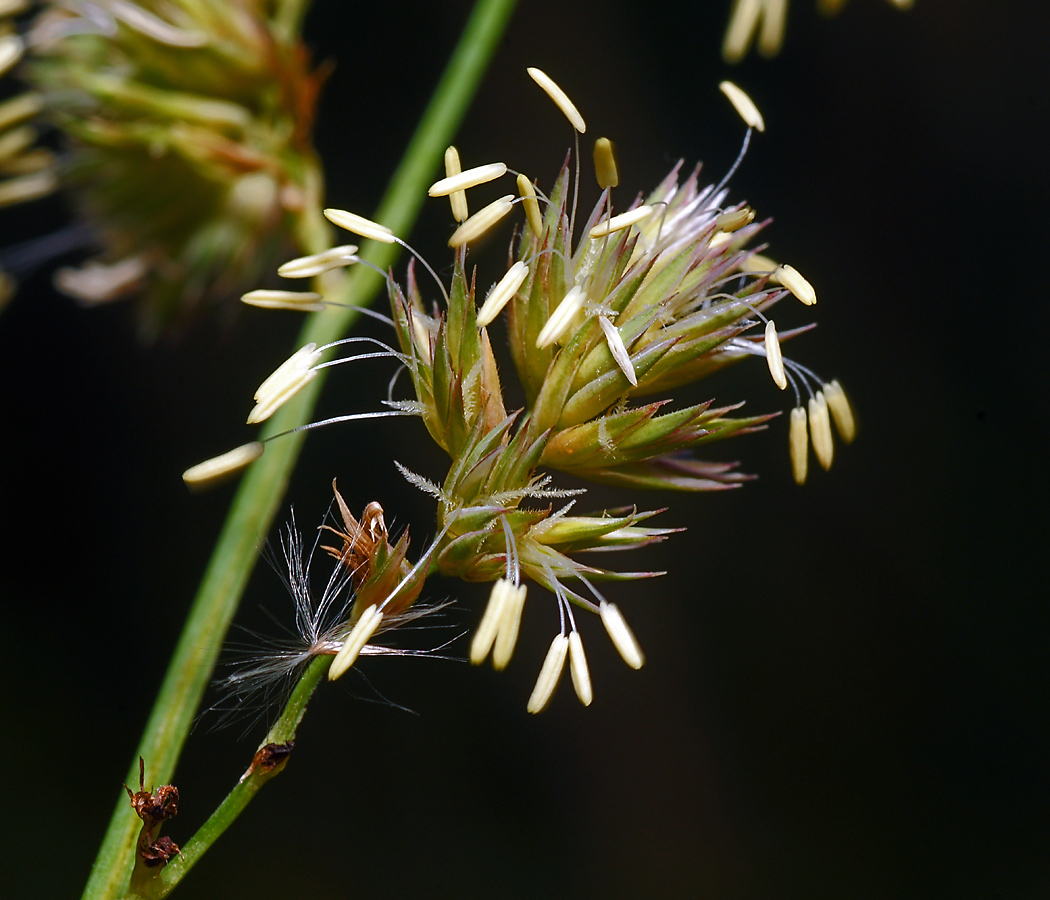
<point x="263" y="486"/>
<point x="282" y="731"/>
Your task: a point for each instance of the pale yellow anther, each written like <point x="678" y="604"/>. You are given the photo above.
<point x="774" y="358"/>
<point x="841" y="412"/>
<point x="623" y="220"/>
<point x="562" y="317"/>
<point x="13" y="7"/>
<point x="359" y="635"/>
<point x="744" y="105"/>
<point x="11" y="50"/>
<point x="621" y="635"/>
<point x="618" y="349"/>
<point x="559" y="97"/>
<point x="467" y="179"/>
<point x="771" y="36"/>
<point x="741" y="29"/>
<point x="509" y="623"/>
<point x="581" y="674"/>
<point x="719" y="239"/>
<point x="488" y="627"/>
<point x="218" y="469"/>
<point x="318" y="263"/>
<point x="605" y="164"/>
<point x="758" y="263"/>
<point x="286" y="381"/>
<point x="798" y="444"/>
<point x="506" y="288"/>
<point x="27" y="187"/>
<point x="359" y="225"/>
<point x="19" y="108"/>
<point x="300" y="301"/>
<point x="15" y="141"/>
<point x="532" y="206"/>
<point x="550" y="674"/>
<point x="794" y="282"/>
<point x="95" y="283"/>
<point x="735" y="220"/>
<point x="457" y="199"/>
<point x="820" y="430"/>
<point x="421" y="336"/>
<point x="481" y="221"/>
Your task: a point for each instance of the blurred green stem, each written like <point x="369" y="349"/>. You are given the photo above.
<point x="263" y="486"/>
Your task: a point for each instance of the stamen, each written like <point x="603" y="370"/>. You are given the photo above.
<point x="581" y="675"/>
<point x="97" y="283"/>
<point x="744" y="105"/>
<point x="794" y="282"/>
<point x="774" y="358"/>
<point x="771" y="36"/>
<point x="621" y="635"/>
<point x="841" y="412"/>
<point x="488" y="627"/>
<point x="734" y="221"/>
<point x="481" y="221"/>
<point x="217" y="469"/>
<point x="421" y="336"/>
<point x="798" y="444"/>
<point x="761" y="265"/>
<point x="820" y="430"/>
<point x="550" y="673"/>
<point x="301" y="301"/>
<point x="317" y="263"/>
<point x="11" y="50"/>
<point x="618" y="349"/>
<point x="506" y="288"/>
<point x="19" y="108"/>
<point x="623" y="220"/>
<point x="532" y="208"/>
<point x="468" y="179"/>
<point x="562" y="317"/>
<point x="359" y="225"/>
<point x="27" y="187"/>
<point x="457" y="199"/>
<point x="741" y="29"/>
<point x="287" y="380"/>
<point x="355" y="641"/>
<point x="510" y="622"/>
<point x="605" y="164"/>
<point x="559" y="97"/>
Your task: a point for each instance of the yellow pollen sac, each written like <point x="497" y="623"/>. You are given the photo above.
<point x="19" y="108"/>
<point x="510" y="622"/>
<point x="219" y="468"/>
<point x="581" y="674"/>
<point x="27" y="187"/>
<point x="11" y="50"/>
<point x="772" y="34"/>
<point x="532" y="207"/>
<point x="562" y="317"/>
<point x="773" y="356"/>
<point x="360" y="225"/>
<point x="794" y="282"/>
<point x="468" y="179"/>
<point x="735" y="220"/>
<point x="820" y="430"/>
<point x="605" y="164"/>
<point x="560" y="98"/>
<point x="798" y="445"/>
<point x="457" y="199"/>
<point x="744" y="105"/>
<point x="366" y="626"/>
<point x="621" y="635"/>
<point x="623" y="220"/>
<point x="506" y="288"/>
<point x="759" y="264"/>
<point x="286" y="381"/>
<point x="550" y="674"/>
<point x="841" y="412"/>
<point x="741" y="29"/>
<point x="488" y="627"/>
<point x="300" y="301"/>
<point x="318" y="263"/>
<point x="481" y="221"/>
<point x="618" y="349"/>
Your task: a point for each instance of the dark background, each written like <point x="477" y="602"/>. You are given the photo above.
<point x="846" y="692"/>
